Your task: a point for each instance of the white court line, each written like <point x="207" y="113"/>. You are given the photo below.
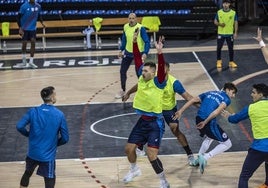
<point x="205" y="70"/>
<point x="92" y="127"/>
<point x="52" y="76"/>
<point x="249" y="76"/>
<point x="119" y="157"/>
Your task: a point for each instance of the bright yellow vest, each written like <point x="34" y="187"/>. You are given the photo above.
<point x="129" y="31"/>
<point x="148" y="97"/>
<point x="169" y="100"/>
<point x="258" y="114"/>
<point x="228" y="18"/>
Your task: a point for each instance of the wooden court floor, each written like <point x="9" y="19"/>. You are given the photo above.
<point x="99" y="85"/>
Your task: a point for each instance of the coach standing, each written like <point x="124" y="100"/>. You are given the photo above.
<point x="126" y="48"/>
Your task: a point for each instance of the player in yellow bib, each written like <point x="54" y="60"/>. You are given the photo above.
<point x="227" y="22"/>
<point x="148" y="104"/>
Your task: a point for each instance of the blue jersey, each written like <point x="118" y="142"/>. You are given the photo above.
<point x="47" y="130"/>
<point x="178" y="87"/>
<point x="29" y="15"/>
<point x="210" y="101"/>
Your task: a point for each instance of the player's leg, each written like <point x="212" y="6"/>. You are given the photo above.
<point x="215" y="132"/>
<point x="29" y="169"/>
<point x="174" y="127"/>
<point x="126" y="62"/>
<point x="47" y="170"/>
<point x="253" y="160"/>
<point x="154" y="141"/>
<point x="220" y="42"/>
<point x="136" y="137"/>
<point x="25" y="38"/>
<point x="230" y="44"/>
<point x="32" y="50"/>
<point x="49" y="182"/>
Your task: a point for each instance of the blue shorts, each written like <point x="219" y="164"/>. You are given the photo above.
<point x="45" y="169"/>
<point x="147" y="131"/>
<point x="29" y="35"/>
<point x="212" y="130"/>
<point x="168" y="114"/>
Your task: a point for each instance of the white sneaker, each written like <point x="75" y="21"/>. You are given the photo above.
<point x="120" y="94"/>
<point x="140" y="152"/>
<point x="164" y="184"/>
<point x="132" y="174"/>
<point x="191" y="160"/>
<point x="22" y="65"/>
<point x="34" y="66"/>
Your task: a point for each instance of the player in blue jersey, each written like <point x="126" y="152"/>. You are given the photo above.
<point x="211" y="105"/>
<point x="46" y="128"/>
<point x="257" y="112"/>
<point x="28" y="15"/>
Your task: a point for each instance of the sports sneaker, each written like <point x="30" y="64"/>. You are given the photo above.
<point x="164" y="184"/>
<point x="232" y="64"/>
<point x="263" y="186"/>
<point x="202" y="163"/>
<point x="140" y="152"/>
<point x="191" y="160"/>
<point x="34" y="66"/>
<point x="219" y="64"/>
<point x="22" y="65"/>
<point x="120" y="94"/>
<point x="132" y="174"/>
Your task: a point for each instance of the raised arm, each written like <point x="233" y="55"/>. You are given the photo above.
<point x="161" y="73"/>
<point x="136" y="51"/>
<point x="262" y="44"/>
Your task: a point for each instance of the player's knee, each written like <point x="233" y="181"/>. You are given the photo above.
<point x="174" y="128"/>
<point x="129" y="149"/>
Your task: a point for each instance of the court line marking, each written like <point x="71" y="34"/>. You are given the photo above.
<point x="113" y="52"/>
<point x="92" y="127"/>
<point x="205" y="70"/>
<point x="249" y="76"/>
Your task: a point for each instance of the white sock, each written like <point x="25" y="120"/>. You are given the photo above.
<point x="133" y="166"/>
<point x="220" y="148"/>
<point x="23" y="56"/>
<point x="205" y="145"/>
<point x="31" y="60"/>
<point x="162" y="176"/>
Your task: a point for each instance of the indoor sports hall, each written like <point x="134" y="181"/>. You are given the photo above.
<point x="86" y="82"/>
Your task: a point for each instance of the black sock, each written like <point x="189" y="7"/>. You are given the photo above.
<point x="188" y="150"/>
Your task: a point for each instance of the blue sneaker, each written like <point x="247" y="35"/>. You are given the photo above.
<point x="202" y="163"/>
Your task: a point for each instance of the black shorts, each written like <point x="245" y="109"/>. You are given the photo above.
<point x="29" y="35"/>
<point x="212" y="130"/>
<point x="45" y="169"/>
<point x="168" y="115"/>
<point x="147" y="131"/>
